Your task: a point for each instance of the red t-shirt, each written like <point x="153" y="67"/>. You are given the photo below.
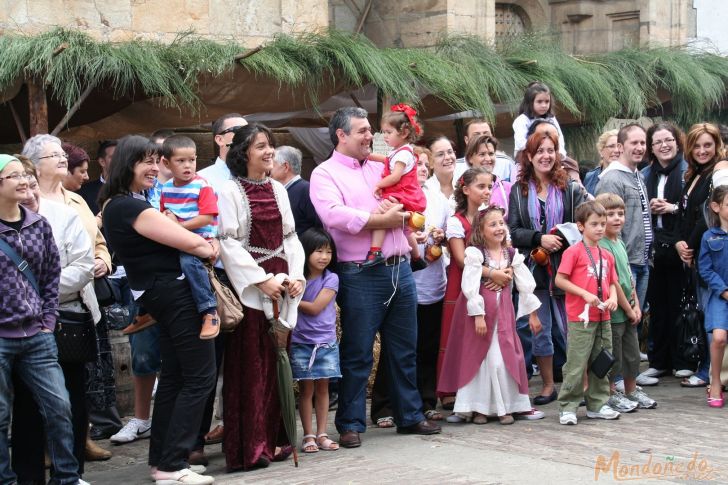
<point x="576" y="265"/>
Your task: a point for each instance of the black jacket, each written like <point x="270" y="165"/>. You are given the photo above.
<point x="526" y="238"/>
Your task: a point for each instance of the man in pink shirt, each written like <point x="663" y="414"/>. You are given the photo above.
<point x="380" y="298"/>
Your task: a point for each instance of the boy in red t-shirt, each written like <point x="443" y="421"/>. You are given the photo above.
<point x="588" y="303"/>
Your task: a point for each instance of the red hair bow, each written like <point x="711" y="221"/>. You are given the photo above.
<point x="410" y="112"/>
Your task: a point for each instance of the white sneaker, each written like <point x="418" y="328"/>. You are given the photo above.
<point x="186" y="476"/>
<point x="604" y="413"/>
<point x="529" y="415"/>
<point x="567" y="417"/>
<point x="644" y="380"/>
<point x="642" y="399"/>
<point x="83" y="482"/>
<point x="683" y="373"/>
<point x="619" y="386"/>
<point x="135" y="429"/>
<point x="643" y="357"/>
<point x="620" y="403"/>
<point x="652" y="372"/>
<point x="457" y="418"/>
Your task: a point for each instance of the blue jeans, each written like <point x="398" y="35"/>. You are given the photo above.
<point x="35" y="360"/>
<point x="550" y="312"/>
<point x="363" y="293"/>
<point x="199" y="281"/>
<point x="641" y="275"/>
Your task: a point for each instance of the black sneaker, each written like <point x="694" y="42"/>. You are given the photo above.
<point x="373" y="258"/>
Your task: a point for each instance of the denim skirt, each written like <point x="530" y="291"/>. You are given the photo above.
<point x="315" y="361"/>
<point x="716" y="313"/>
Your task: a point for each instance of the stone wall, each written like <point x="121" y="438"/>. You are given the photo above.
<point x="250" y="22"/>
<point x="584" y="26"/>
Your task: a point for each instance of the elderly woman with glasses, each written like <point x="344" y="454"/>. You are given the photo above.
<point x="609" y="151"/>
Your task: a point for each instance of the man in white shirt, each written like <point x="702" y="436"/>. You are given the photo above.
<point x="223" y="131"/>
<point x="504" y="165"/>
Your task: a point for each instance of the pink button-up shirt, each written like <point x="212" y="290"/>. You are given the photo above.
<point x="342" y="191"/>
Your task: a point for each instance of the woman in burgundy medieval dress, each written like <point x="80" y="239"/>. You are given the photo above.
<point x="258" y="241"/>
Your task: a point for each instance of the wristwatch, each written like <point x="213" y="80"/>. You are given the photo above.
<point x="675" y="208"/>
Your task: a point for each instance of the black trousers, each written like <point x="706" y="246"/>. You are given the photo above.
<point x="219" y="353"/>
<point x="429" y="320"/>
<point x="28" y="438"/>
<point x="664" y="291"/>
<point x="187" y="377"/>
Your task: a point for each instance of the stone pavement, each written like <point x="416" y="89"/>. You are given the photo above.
<point x="660" y="443"/>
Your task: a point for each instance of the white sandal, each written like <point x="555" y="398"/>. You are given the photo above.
<point x="328" y="444"/>
<point x="309" y="446"/>
<point x="182" y="477"/>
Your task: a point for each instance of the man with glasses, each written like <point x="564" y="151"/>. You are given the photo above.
<point x="90" y="190"/>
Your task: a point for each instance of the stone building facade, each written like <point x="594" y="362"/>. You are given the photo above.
<point x="584" y="26"/>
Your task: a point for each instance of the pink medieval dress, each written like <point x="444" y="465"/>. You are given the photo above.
<point x="458" y="227"/>
<point x="488" y="372"/>
<point x="252" y="411"/>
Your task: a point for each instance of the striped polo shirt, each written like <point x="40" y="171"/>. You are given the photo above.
<point x="189" y="201"/>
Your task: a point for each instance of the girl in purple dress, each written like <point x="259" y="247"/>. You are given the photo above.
<point x="314" y="350"/>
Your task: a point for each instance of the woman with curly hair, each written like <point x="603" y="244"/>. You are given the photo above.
<point x="542" y="198"/>
<point x="258" y="241"/>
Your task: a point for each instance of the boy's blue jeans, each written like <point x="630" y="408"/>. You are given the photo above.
<point x="35" y="360"/>
<point x="199" y="281"/>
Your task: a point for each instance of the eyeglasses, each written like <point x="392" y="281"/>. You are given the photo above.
<point x="666" y="141"/>
<point x="55" y="155"/>
<point x="17" y="176"/>
<point x="230" y="130"/>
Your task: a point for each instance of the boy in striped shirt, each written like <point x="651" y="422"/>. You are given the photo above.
<point x="191" y="202"/>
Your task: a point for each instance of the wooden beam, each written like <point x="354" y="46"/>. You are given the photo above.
<point x="18" y="123"/>
<point x="247" y="54"/>
<point x="363" y="17"/>
<point x="37" y="107"/>
<point x="72" y="110"/>
<point x="356" y="100"/>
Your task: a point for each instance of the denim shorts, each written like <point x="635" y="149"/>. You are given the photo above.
<point x="146" y="357"/>
<point x="323" y="365"/>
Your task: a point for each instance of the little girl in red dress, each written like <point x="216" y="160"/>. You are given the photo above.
<point x="399" y="179"/>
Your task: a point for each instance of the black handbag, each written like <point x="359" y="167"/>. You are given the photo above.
<point x="76" y="337"/>
<point x="106" y="293"/>
<point x="692" y="341"/>
<point x="604" y="361"/>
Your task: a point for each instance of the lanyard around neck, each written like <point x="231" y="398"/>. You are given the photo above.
<point x="594" y="266"/>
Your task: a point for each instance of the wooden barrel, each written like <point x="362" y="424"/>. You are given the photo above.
<point x="121" y="352"/>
